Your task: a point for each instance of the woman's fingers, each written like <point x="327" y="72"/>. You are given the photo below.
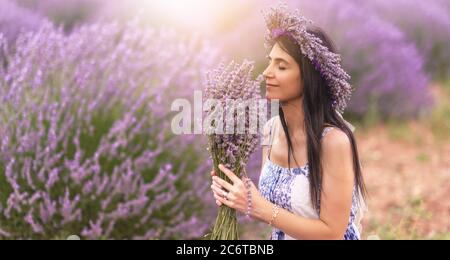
<point x="223" y="193"/>
<point x="222" y="183"/>
<point x="222" y="189"/>
<point x="229" y="174"/>
<point x="214" y="189"/>
<point x="225" y="202"/>
<point x="217" y="190"/>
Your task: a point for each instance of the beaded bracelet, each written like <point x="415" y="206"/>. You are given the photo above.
<point x="275" y="211"/>
<point x="248" y="184"/>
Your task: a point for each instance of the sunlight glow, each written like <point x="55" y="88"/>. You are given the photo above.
<point x="191" y="13"/>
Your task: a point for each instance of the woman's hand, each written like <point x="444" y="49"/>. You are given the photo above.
<point x="234" y="195"/>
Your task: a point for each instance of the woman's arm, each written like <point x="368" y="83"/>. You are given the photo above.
<point x="336" y="197"/>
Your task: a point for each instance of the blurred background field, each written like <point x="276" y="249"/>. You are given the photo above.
<point x="86" y="88"/>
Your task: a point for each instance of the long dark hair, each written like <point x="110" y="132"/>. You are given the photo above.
<point x="318" y="110"/>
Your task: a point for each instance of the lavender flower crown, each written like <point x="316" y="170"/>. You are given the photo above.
<point x="280" y="21"/>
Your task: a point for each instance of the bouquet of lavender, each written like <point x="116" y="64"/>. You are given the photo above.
<point x="232" y="92"/>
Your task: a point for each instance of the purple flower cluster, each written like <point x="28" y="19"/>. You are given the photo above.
<point x="281" y="21"/>
<point x="233" y="133"/>
<point x="386" y="68"/>
<point x="15" y="19"/>
<point x="426" y="24"/>
<point x="234" y="83"/>
<point x="86" y="146"/>
<point x="68" y="13"/>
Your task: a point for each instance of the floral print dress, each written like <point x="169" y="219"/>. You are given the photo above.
<point x="289" y="189"/>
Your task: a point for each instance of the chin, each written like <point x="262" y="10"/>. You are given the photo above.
<point x="270" y="96"/>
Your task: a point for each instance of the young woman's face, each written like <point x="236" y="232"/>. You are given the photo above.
<point x="283" y="76"/>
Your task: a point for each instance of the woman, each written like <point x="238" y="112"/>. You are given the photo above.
<point x="321" y="197"/>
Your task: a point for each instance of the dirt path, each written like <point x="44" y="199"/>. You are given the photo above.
<point x="408" y="178"/>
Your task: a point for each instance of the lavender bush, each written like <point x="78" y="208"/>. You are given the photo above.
<point x="387" y="70"/>
<point x="68" y="13"/>
<point x="426" y="24"/>
<point x="86" y="146"/>
<point x="15" y="19"/>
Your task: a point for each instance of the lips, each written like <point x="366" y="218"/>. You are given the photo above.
<point x="271" y="85"/>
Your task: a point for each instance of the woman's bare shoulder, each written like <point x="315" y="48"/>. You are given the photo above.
<point x="336" y="140"/>
<point x="337" y="150"/>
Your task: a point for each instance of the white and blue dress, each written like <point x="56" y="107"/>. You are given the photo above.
<point x="289" y="189"/>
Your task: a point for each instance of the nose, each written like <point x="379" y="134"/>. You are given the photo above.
<point x="268" y="72"/>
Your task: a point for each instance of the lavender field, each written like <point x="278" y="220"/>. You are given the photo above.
<point x="86" y="87"/>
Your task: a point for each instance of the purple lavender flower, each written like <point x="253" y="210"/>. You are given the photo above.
<point x="426" y="24"/>
<point x="386" y="68"/>
<point x="280" y="20"/>
<point x="231" y="86"/>
<point x="15" y="19"/>
<point x="86" y="143"/>
<point x="68" y="13"/>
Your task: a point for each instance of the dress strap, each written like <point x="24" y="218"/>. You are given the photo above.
<point x="326" y="131"/>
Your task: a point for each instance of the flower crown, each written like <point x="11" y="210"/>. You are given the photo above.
<point x="280" y="21"/>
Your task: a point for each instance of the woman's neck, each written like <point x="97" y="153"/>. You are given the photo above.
<point x="294" y="116"/>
